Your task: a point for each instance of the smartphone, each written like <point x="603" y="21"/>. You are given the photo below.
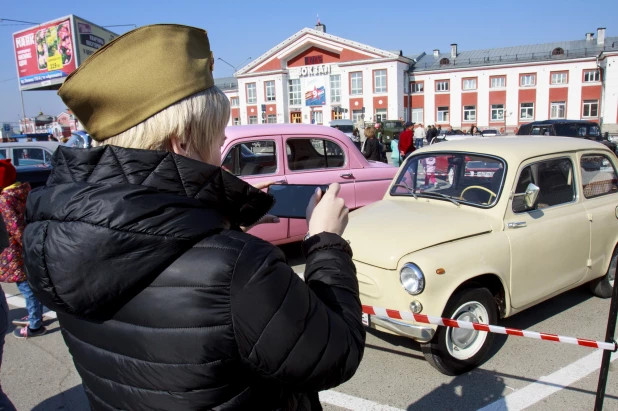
<point x="291" y="200"/>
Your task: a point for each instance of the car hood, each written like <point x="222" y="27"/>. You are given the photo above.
<point x="382" y="233"/>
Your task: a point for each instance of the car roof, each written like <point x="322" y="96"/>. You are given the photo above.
<point x="540" y="122"/>
<point x="259" y="130"/>
<point x="34" y="144"/>
<point x="516" y="148"/>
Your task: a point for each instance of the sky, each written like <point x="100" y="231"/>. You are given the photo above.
<point x="241" y="29"/>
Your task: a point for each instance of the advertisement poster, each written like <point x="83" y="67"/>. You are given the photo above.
<point x="316" y="96"/>
<point x="89" y="38"/>
<point x="44" y="54"/>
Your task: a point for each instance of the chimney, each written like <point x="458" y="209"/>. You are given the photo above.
<point x="600" y="36"/>
<point x="436" y="53"/>
<point x="589" y="36"/>
<point x="320" y="27"/>
<point x="454" y="50"/>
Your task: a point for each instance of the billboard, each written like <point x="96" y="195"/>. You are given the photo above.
<point x="48" y="53"/>
<point x="316" y="96"/>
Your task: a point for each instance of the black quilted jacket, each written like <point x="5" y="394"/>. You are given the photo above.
<point x="165" y="305"/>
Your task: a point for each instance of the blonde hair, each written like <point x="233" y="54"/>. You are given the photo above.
<point x="196" y="121"/>
<point x="370" y="131"/>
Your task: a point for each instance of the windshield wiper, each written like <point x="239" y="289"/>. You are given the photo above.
<point x="449" y="198"/>
<point x="410" y="190"/>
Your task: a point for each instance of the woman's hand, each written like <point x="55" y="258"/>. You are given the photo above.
<point x="326" y="212"/>
<point x="268" y="218"/>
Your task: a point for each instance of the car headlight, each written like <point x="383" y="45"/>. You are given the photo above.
<point x="412" y="278"/>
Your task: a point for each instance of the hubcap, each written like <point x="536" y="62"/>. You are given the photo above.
<point x="462" y="343"/>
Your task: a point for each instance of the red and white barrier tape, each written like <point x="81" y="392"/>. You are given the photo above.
<point x="447" y="322"/>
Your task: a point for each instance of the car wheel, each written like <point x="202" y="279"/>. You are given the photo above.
<point x="602" y="287"/>
<point x="454" y="351"/>
<point x="451" y="175"/>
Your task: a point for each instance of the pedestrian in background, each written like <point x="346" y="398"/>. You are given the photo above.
<point x="431" y="133"/>
<point x="13" y="209"/>
<point x="356" y="138"/>
<point x="419" y="136"/>
<point x="371" y="149"/>
<point x="406" y="143"/>
<point x="5" y="402"/>
<point x="164" y="300"/>
<point x="395" y="156"/>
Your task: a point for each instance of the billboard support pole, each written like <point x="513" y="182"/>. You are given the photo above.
<point x="23" y="111"/>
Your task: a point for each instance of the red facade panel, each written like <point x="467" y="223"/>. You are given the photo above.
<point x="442" y="100"/>
<point x="558" y="94"/>
<point x="327" y="57"/>
<point x="235" y="113"/>
<point x="418" y="100"/>
<point x="497" y="97"/>
<point x="526" y="95"/>
<point x="355" y="104"/>
<point x="591" y="92"/>
<point x="271" y="109"/>
<point x="468" y="99"/>
<point x="380" y="102"/>
<point x="274" y="64"/>
<point x="252" y="111"/>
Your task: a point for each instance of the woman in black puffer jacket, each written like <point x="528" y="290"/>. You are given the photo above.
<point x="139" y="245"/>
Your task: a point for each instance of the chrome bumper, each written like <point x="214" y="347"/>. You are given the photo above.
<point x="420" y="333"/>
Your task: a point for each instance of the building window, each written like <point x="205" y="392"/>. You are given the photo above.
<point x="417" y="87"/>
<point x="469" y="113"/>
<point x="559" y="78"/>
<point x="526" y="111"/>
<point x="357" y="116"/>
<point x="558" y="109"/>
<point x="591" y="76"/>
<point x="444" y="61"/>
<point x="272" y="118"/>
<point x="234" y="102"/>
<point x="336" y="115"/>
<point x="443" y="115"/>
<point x="236" y="121"/>
<point x="317" y="117"/>
<point x="380" y="114"/>
<point x="417" y="115"/>
<point x="497" y="112"/>
<point x="296" y="98"/>
<point x="270" y="91"/>
<point x="557" y="51"/>
<point x="335" y="88"/>
<point x="379" y="81"/>
<point x="357" y="83"/>
<point x="253" y="120"/>
<point x="591" y="108"/>
<point x="469" y="84"/>
<point x="442" y="85"/>
<point x="527" y="80"/>
<point x="251" y="94"/>
<point x="497" y="82"/>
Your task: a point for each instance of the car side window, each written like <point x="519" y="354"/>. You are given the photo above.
<point x="2" y="154"/>
<point x="313" y="153"/>
<point x="554" y="179"/>
<point x="252" y="158"/>
<point x="598" y="176"/>
<point x="28" y="156"/>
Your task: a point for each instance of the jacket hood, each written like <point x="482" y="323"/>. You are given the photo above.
<point x="110" y="220"/>
<point x="415" y="225"/>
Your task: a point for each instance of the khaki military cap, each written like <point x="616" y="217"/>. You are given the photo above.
<point x="136" y="76"/>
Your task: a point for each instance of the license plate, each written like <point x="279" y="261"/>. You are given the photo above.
<point x="365" y="320"/>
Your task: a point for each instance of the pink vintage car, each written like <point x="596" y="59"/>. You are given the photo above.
<point x="303" y="154"/>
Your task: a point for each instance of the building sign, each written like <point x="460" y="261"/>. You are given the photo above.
<point x="47" y="54"/>
<point x="316" y="96"/>
<point x="313" y="60"/>
<point x="314" y="70"/>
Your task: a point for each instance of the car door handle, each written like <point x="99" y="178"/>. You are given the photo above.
<point x="518" y="224"/>
<point x="281" y="181"/>
<point x="346" y="175"/>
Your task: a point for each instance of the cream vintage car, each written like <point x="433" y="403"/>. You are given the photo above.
<point x="480" y="229"/>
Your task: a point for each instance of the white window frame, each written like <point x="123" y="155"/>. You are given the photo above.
<point x="253" y="119"/>
<point x="469" y="114"/>
<point x="589" y="104"/>
<point x="592" y="76"/>
<point x="417" y="115"/>
<point x="234" y="101"/>
<point x="381" y="111"/>
<point x="559" y="78"/>
<point x="417" y="87"/>
<point x="318" y="117"/>
<point x="469" y="84"/>
<point x="497" y="112"/>
<point x="442" y="85"/>
<point x="556" y="107"/>
<point x="443" y="114"/>
<point x="294" y="92"/>
<point x="527" y="110"/>
<point x="251" y="93"/>
<point x="527" y="80"/>
<point x="335" y="88"/>
<point x="356" y="116"/>
<point x="271" y="119"/>
<point x="379" y="81"/>
<point x="270" y="90"/>
<point x="356" y="83"/>
<point x="501" y="80"/>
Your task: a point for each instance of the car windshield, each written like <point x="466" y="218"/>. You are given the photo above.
<point x="393" y="124"/>
<point x="465" y="178"/>
<point x="490" y="131"/>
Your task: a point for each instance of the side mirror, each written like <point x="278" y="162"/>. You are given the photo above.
<point x="530" y="197"/>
